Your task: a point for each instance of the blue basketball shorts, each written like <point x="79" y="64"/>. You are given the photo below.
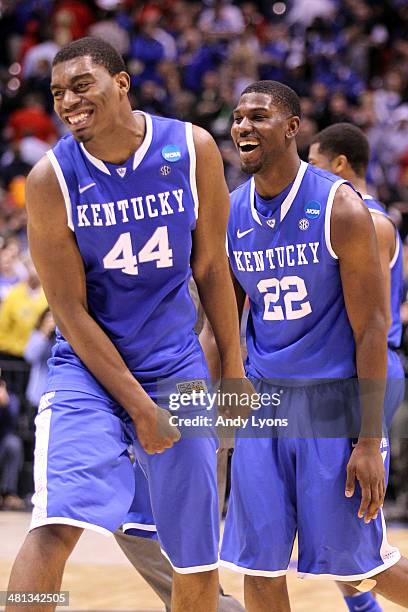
<point x="395" y="386"/>
<point x="282" y="486"/>
<point x="84" y="477"/>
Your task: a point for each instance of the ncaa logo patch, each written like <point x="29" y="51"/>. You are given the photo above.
<point x="171" y="153"/>
<point x="165" y="170"/>
<point x="303" y="224"/>
<point x="312" y="209"/>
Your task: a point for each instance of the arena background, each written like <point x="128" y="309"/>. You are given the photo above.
<point x="348" y="61"/>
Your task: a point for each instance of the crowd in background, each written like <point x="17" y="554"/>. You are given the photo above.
<point x="347" y="60"/>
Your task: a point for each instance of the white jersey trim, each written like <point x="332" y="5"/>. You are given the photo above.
<point x="327" y="220"/>
<point x="193" y="164"/>
<point x="195" y="569"/>
<point x="397" y="250"/>
<point x="252" y="201"/>
<point x="252" y="572"/>
<point x="63" y="185"/>
<point x="288" y="201"/>
<point x="63" y="520"/>
<point x="98" y="163"/>
<point x="139" y="154"/>
<point x="141" y="526"/>
<point x="365" y="196"/>
<point x="397" y="244"/>
<point x="142" y="150"/>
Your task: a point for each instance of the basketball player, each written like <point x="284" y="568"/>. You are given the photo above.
<point x="343" y="149"/>
<point x="113" y="228"/>
<point x="302" y="247"/>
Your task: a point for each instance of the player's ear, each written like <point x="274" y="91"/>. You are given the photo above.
<point x="339" y="164"/>
<point x="292" y="127"/>
<point x="123" y="81"/>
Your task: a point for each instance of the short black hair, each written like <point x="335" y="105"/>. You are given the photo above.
<point x="282" y="95"/>
<point x="345" y="139"/>
<point x="98" y="50"/>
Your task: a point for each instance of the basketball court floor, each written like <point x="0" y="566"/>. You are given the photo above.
<point x="99" y="577"/>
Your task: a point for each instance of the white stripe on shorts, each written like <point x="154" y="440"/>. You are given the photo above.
<point x="63" y="520"/>
<point x="42" y="434"/>
<point x="253" y="572"/>
<point x="191" y="570"/>
<point x="141" y="526"/>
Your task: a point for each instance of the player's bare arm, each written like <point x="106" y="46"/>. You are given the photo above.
<point x="209" y="258"/>
<point x="386" y="239"/>
<point x="60" y="268"/>
<point x="207" y="339"/>
<point x="354" y="242"/>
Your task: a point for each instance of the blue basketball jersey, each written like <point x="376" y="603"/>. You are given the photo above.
<point x="397" y="278"/>
<point x="282" y="257"/>
<point x="133" y="224"/>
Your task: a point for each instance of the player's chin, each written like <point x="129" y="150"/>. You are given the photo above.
<point x="251" y="168"/>
<point x="82" y="136"/>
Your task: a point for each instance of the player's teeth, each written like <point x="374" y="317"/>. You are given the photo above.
<point x="78" y="118"/>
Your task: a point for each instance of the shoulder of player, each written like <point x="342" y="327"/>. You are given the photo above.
<point x="43" y="192"/>
<point x="42" y="176"/>
<point x="385" y="231"/>
<point x="204" y="144"/>
<point x="350" y="218"/>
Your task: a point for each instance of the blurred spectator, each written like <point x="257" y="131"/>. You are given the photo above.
<point x="222" y="21"/>
<point x="38" y="58"/>
<point x="36" y="353"/>
<point x="8" y="271"/>
<point x="111" y="30"/>
<point x="72" y="18"/>
<point x="209" y="102"/>
<point x="11" y="452"/>
<point x="19" y="313"/>
<point x="32" y="120"/>
<point x="12" y="164"/>
<point x="146" y="53"/>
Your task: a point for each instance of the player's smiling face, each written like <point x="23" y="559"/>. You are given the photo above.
<point x="85" y="97"/>
<point x="258" y="131"/>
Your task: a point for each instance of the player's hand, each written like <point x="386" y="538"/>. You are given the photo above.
<point x="235" y="396"/>
<point x="4" y="396"/>
<point x="154" y="430"/>
<point x="366" y="464"/>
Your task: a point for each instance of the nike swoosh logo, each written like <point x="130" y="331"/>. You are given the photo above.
<point x="242" y="234"/>
<point x="82" y="189"/>
<point x="363" y="607"/>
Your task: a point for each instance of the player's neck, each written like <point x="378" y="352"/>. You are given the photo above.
<point x="359" y="185"/>
<point x="121" y="140"/>
<point x="274" y="179"/>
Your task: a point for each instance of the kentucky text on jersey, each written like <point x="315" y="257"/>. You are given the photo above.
<point x="136" y="208"/>
<point x="281" y="254"/>
<point x="133" y="225"/>
<point x="289" y="255"/>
